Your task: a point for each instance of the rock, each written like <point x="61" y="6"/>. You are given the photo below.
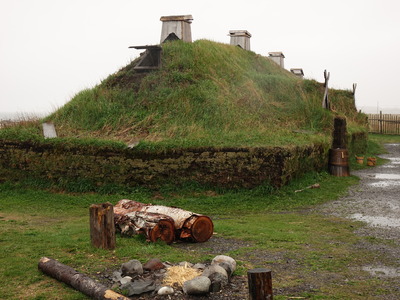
<point x="153" y="265"/>
<point x="199" y="266"/>
<point x="197" y="286"/>
<point x="132" y="268"/>
<point x="185" y="263"/>
<point x="215" y="269"/>
<point x="228" y="268"/>
<point x="116" y="276"/>
<point x="165" y="290"/>
<point x="215" y="287"/>
<point x="138" y="287"/>
<point x="125" y="279"/>
<point x="224" y="259"/>
<point x="218" y="280"/>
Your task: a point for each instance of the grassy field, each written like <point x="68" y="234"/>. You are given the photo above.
<point x="38" y="223"/>
<point x="280" y="233"/>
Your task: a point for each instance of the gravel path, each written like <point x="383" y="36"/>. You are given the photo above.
<point x="376" y="201"/>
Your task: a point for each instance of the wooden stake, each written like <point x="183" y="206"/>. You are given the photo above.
<point x="102" y="228"/>
<point x="260" y="284"/>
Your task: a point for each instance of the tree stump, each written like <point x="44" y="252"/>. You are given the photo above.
<point x="102" y="228"/>
<point x="260" y="284"/>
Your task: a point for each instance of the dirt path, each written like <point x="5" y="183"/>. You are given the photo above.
<point x="376" y="201"/>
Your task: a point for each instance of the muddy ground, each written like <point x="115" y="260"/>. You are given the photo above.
<point x="375" y="201"/>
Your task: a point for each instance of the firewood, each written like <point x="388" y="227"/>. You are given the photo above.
<point x="153" y="226"/>
<point x="188" y="225"/>
<point x="77" y="280"/>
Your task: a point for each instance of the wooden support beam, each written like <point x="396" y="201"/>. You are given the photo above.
<point x="102" y="227"/>
<point x="260" y="284"/>
<point x="325" y="101"/>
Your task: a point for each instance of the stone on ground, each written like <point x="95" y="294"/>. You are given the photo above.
<point x="132" y="268"/>
<point x="224" y="259"/>
<point x="138" y="287"/>
<point x="197" y="286"/>
<point x="153" y="265"/>
<point x="165" y="290"/>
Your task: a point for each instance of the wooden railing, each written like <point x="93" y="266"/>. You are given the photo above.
<point x="384" y="123"/>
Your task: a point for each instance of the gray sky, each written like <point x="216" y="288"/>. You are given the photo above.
<point x="52" y="49"/>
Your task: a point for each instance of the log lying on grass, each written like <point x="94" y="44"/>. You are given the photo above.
<point x="187" y="225"/>
<point x="77" y="280"/>
<point x="153" y="226"/>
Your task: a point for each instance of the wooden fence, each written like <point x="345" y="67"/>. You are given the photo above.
<point x="384" y="123"/>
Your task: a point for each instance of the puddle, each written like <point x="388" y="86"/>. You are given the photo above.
<point x="384" y="183"/>
<point x="394" y="160"/>
<point x="377" y="221"/>
<point x="382" y="271"/>
<point x="391" y="180"/>
<point x="388" y="166"/>
<point x="388" y="176"/>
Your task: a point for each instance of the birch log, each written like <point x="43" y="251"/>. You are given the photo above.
<point x="153" y="226"/>
<point x="77" y="280"/>
<point x="188" y="225"/>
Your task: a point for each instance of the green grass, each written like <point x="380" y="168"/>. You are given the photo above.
<point x="36" y="223"/>
<point x="206" y="94"/>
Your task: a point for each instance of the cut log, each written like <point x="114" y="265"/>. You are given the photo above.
<point x="188" y="225"/>
<point x="153" y="226"/>
<point x="77" y="280"/>
<point x="102" y="228"/>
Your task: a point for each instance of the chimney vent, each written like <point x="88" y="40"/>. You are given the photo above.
<point x="298" y="72"/>
<point x="277" y="57"/>
<point x="178" y="26"/>
<point x="240" y="38"/>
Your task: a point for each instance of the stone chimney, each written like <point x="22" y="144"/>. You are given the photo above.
<point x="277" y="57"/>
<point x="298" y="72"/>
<point x="240" y="38"/>
<point x="176" y="27"/>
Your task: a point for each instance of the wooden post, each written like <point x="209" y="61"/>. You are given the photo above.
<point x="102" y="228"/>
<point x="339" y="133"/>
<point x="260" y="284"/>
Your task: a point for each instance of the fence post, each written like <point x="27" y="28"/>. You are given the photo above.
<point x="380" y="123"/>
<point x="260" y="284"/>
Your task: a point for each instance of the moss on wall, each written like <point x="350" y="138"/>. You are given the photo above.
<point x="62" y="164"/>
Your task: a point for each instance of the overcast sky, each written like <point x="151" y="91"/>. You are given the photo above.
<point x="52" y="49"/>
